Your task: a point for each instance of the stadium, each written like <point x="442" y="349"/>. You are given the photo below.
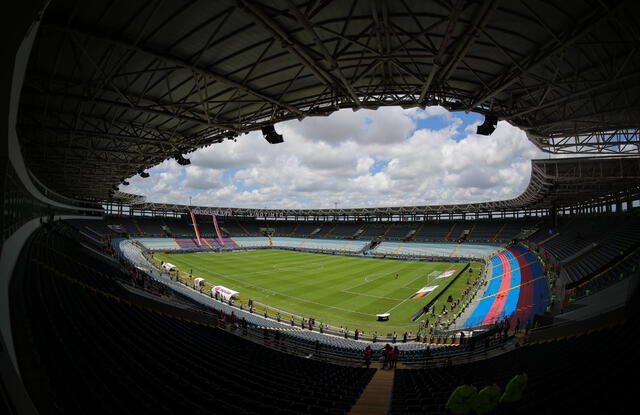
<point x="411" y="299"/>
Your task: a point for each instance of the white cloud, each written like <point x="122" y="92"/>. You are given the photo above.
<point x="202" y="178"/>
<point x="429" y="156"/>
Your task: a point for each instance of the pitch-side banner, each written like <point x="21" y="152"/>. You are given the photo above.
<point x="224" y="292"/>
<point x="447" y="273"/>
<point x="423" y="292"/>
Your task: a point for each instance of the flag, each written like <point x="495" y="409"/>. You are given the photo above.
<point x="447" y="273"/>
<point x="423" y="292"/>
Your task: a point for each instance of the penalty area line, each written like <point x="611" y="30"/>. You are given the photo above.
<point x="409" y="298"/>
<point x="371" y="295"/>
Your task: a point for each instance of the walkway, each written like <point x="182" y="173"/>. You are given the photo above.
<point x="376" y="398"/>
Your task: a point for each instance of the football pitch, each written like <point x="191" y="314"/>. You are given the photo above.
<point x="336" y="290"/>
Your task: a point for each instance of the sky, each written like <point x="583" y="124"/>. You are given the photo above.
<point x="366" y="158"/>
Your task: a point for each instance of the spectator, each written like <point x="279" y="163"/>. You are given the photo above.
<point x="368" y="353"/>
<point x="386" y="355"/>
<point x="395" y="353"/>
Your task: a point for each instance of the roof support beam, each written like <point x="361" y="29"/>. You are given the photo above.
<point x="87" y="134"/>
<point x="453" y="20"/>
<point x="466" y="41"/>
<point x="178" y="62"/>
<point x="299" y="51"/>
<point x="574" y="95"/>
<point x="143" y="102"/>
<point x="102" y="124"/>
<point x="116" y="104"/>
<point x="540" y="56"/>
<point x="333" y="64"/>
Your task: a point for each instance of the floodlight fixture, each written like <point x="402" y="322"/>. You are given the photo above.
<point x="181" y="160"/>
<point x="489" y="125"/>
<point x="269" y="133"/>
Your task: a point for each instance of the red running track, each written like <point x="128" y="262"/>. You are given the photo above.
<point x="500" y="299"/>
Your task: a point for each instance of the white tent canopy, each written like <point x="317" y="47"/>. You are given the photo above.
<point x="169" y="267"/>
<point x="224" y="292"/>
<point x="198" y="282"/>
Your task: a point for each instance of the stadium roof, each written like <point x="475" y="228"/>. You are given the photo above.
<point x="554" y="183"/>
<point x="114" y="87"/>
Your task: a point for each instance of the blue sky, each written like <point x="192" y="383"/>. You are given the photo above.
<point x="387" y="157"/>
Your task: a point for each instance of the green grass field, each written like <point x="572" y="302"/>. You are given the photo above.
<point x="337" y="290"/>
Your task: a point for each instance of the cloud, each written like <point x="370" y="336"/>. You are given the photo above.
<point x="202" y="178"/>
<point x="388" y="157"/>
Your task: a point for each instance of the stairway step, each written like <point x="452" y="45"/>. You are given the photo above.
<point x="376" y="398"/>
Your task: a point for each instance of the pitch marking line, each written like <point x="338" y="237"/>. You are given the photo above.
<point x="411" y="282"/>
<point x="272" y="292"/>
<point x="371" y="295"/>
<point x="304" y="266"/>
<point x="408" y="298"/>
<point x="377" y="276"/>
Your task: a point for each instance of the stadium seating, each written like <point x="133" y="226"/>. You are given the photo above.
<point x="476" y="250"/>
<point x="192" y="243"/>
<point x="85" y="348"/>
<point x="251" y="227"/>
<point x="584" y="247"/>
<point x="517" y="290"/>
<point x="230" y="226"/>
<point x="344" y="229"/>
<point x="433" y="231"/>
<point x="95" y="227"/>
<point x="480" y="231"/>
<point x="436" y="249"/>
<point x="510" y="229"/>
<point x="621" y="268"/>
<point x="82" y="341"/>
<point x="307" y="228"/>
<point x="148" y="226"/>
<point x="467" y="250"/>
<point x="179" y="227"/>
<point x="159" y="243"/>
<point x="484" y="230"/>
<point x="252" y="241"/>
<point x="288" y="242"/>
<point x="235" y="227"/>
<point x="556" y="371"/>
<point x="399" y="231"/>
<point x="283" y="228"/>
<point x="375" y="230"/>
